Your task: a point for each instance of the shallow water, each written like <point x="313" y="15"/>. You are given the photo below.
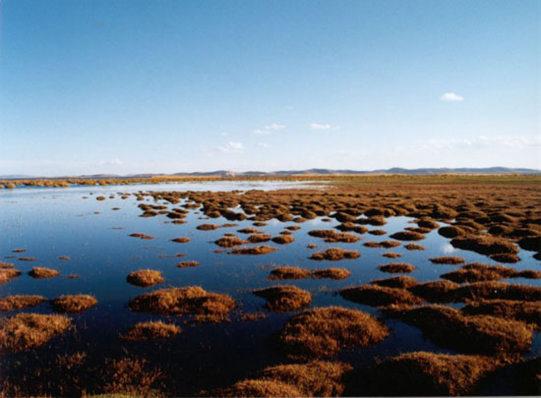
<point x="50" y="222"/>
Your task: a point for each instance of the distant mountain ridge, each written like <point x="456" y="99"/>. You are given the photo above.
<point x="315" y="171"/>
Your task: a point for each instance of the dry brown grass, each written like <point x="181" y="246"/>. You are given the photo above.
<point x="335" y="254"/>
<point x="476" y="272"/>
<point x="26" y="331"/>
<point x="188" y="264"/>
<point x="258" y="250"/>
<point x="426" y="373"/>
<point x="130" y="377"/>
<point x="485" y="244"/>
<point x="193" y="300"/>
<point x="452" y="260"/>
<point x="323" y="332"/>
<point x="377" y="295"/>
<point x="397" y="268"/>
<point x="331" y="273"/>
<point x="505" y="258"/>
<point x="283" y="239"/>
<point x="230" y="241"/>
<point x="407" y="235"/>
<point x="260" y="388"/>
<point x="529" y="312"/>
<point x="43" y="272"/>
<point x="413" y="246"/>
<point x="284" y="298"/>
<point x="74" y="303"/>
<point x="7" y="274"/>
<point x="4" y="265"/>
<point x="17" y="302"/>
<point x="154" y="330"/>
<point x="142" y="236"/>
<point x="401" y="282"/>
<point x="288" y="272"/>
<point x="440" y="291"/>
<point x="181" y="239"/>
<point x="207" y="227"/>
<point x="258" y="238"/>
<point x="470" y="333"/>
<point x="332" y="236"/>
<point x="145" y="277"/>
<point x="491" y="290"/>
<point x="391" y="255"/>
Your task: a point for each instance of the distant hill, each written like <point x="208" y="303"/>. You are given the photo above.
<point x="228" y="173"/>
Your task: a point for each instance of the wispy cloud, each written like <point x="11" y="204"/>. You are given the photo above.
<point x="232" y="147"/>
<point x="451" y="97"/>
<point x="323" y="126"/>
<point x="111" y="162"/>
<point x="269" y="129"/>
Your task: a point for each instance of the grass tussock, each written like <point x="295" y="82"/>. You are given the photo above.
<point x="399" y="268"/>
<point x="336" y="254"/>
<point x="427" y="373"/>
<point x="331" y="273"/>
<point x="74" y="303"/>
<point x="26" y="331"/>
<point x="207" y="227"/>
<point x="258" y="250"/>
<point x="414" y="246"/>
<point x="4" y="265"/>
<point x="230" y="241"/>
<point x="181" y="239"/>
<point x="193" y="301"/>
<point x="43" y="272"/>
<point x="441" y="291"/>
<point x="377" y="295"/>
<point x="259" y="238"/>
<point x="476" y="272"/>
<point x="323" y="332"/>
<point x="188" y="264"/>
<point x="470" y="333"/>
<point x="392" y="255"/>
<point x="451" y="260"/>
<point x="131" y="377"/>
<point x="408" y="236"/>
<point x="283" y="239"/>
<point x="260" y="388"/>
<point x="485" y="244"/>
<point x="145" y="277"/>
<point x="284" y="298"/>
<point x="401" y="282"/>
<point x="525" y="311"/>
<point x="332" y="236"/>
<point x="17" y="302"/>
<point x="289" y="272"/>
<point x="508" y="258"/>
<point x="8" y="274"/>
<point x="149" y="331"/>
<point x="142" y="236"/>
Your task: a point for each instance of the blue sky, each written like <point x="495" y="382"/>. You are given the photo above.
<point x="166" y="86"/>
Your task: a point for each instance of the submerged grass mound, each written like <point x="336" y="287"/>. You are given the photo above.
<point x="26" y="331"/>
<point x="485" y="244"/>
<point x="43" y="272"/>
<point x="8" y="274"/>
<point x="331" y="273"/>
<point x="470" y="333"/>
<point x="155" y="330"/>
<point x="426" y="373"/>
<point x="397" y="268"/>
<point x="407" y="235"/>
<point x="230" y="241"/>
<point x="529" y="312"/>
<point x="335" y="254"/>
<point x="284" y="298"/>
<point x="192" y="300"/>
<point x="288" y="272"/>
<point x="145" y="277"/>
<point x="16" y="302"/>
<point x="323" y="332"/>
<point x="376" y="295"/>
<point x="453" y="260"/>
<point x="74" y="303"/>
<point x="258" y="250"/>
<point x="402" y="282"/>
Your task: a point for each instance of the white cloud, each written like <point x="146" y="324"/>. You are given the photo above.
<point x="451" y="97"/>
<point x="322" y="126"/>
<point x="269" y="129"/>
<point x="232" y="147"/>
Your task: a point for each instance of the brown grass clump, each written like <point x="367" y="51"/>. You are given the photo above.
<point x="401" y="282"/>
<point x="141" y="236"/>
<point x="441" y="291"/>
<point x="505" y="258"/>
<point x="181" y="239"/>
<point x="491" y="290"/>
<point x="249" y="230"/>
<point x="530" y="243"/>
<point x="332" y="236"/>
<point x="377" y="232"/>
<point x="258" y="238"/>
<point x="154" y="330"/>
<point x="283" y="239"/>
<point x="188" y="264"/>
<point x="145" y="277"/>
<point x="427" y="373"/>
<point x="413" y="246"/>
<point x="389" y="244"/>
<point x="376" y="295"/>
<point x="485" y="244"/>
<point x="27" y="259"/>
<point x="284" y="298"/>
<point x="192" y="300"/>
<point x="258" y="250"/>
<point x="427" y="223"/>
<point x="8" y="274"/>
<point x="325" y="331"/>
<point x="127" y="377"/>
<point x="74" y="303"/>
<point x="43" y="272"/>
<point x="4" y="265"/>
<point x="230" y="241"/>
<point x="476" y="272"/>
<point x="397" y="268"/>
<point x="450" y="231"/>
<point x="476" y="333"/>
<point x="331" y="273"/>
<point x="312" y="379"/>
<point x="16" y="302"/>
<point x="392" y="255"/>
<point x="335" y="254"/>
<point x="260" y="388"/>
<point x="407" y="235"/>
<point x="207" y="227"/>
<point x="64" y="258"/>
<point x="26" y="331"/>
<point x="447" y="260"/>
<point x="529" y="312"/>
<point x="287" y="272"/>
